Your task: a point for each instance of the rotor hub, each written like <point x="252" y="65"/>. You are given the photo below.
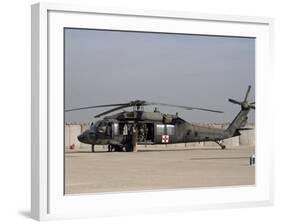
<point x="245" y="105"/>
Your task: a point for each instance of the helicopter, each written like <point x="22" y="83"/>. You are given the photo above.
<point x="124" y="130"/>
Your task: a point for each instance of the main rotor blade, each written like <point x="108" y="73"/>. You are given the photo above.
<point x="138" y="103"/>
<point x="184" y="107"/>
<point x="247" y="93"/>
<point x="111" y="110"/>
<point x="134" y="103"/>
<point x="90" y="107"/>
<point x="129" y="104"/>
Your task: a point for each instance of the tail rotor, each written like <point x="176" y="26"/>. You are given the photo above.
<point x="244" y="104"/>
<point x="241" y="118"/>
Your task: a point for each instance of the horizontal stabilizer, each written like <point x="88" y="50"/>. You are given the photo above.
<point x="244" y="129"/>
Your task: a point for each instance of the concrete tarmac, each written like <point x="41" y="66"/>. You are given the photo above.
<point x="87" y="172"/>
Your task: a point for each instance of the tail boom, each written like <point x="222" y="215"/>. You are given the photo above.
<point x="241" y="119"/>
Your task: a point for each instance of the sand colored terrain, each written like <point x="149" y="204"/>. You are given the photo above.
<point x="152" y="169"/>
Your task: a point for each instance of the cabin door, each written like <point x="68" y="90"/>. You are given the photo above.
<point x="164" y="134"/>
<point x="146" y="133"/>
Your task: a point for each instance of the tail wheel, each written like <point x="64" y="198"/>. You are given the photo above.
<point x="220" y="143"/>
<point x="93" y="148"/>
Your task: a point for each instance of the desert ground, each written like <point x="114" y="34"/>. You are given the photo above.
<point x="102" y="171"/>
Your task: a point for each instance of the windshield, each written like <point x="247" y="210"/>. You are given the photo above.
<point x="100" y="126"/>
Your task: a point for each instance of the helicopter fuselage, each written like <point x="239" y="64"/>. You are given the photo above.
<point x="151" y="128"/>
<point x="129" y="128"/>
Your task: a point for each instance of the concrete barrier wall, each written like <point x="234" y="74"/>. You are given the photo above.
<point x="66" y="136"/>
<point x="247" y="138"/>
<point x="72" y="131"/>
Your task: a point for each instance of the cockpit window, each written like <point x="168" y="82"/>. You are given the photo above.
<point x="96" y="124"/>
<point x="100" y="126"/>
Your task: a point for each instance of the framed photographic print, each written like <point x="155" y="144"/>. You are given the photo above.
<point x="148" y="111"/>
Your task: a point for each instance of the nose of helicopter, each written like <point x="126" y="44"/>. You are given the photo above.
<point x="87" y="137"/>
<point x="81" y="137"/>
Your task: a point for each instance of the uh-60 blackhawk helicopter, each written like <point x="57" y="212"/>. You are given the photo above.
<point x="126" y="129"/>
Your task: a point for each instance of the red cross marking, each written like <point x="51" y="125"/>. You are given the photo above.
<point x="165" y="138"/>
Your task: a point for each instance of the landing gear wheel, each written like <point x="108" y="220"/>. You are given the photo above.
<point x="220" y="144"/>
<point x="93" y="148"/>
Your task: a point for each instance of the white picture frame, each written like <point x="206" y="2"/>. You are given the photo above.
<point x="48" y="200"/>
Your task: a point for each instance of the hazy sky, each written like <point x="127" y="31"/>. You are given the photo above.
<point x="103" y="67"/>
